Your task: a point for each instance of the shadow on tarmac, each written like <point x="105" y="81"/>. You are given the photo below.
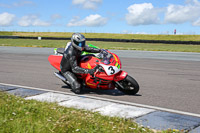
<point x="101" y="92"/>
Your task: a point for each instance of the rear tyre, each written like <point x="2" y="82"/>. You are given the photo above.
<point x="129" y="84"/>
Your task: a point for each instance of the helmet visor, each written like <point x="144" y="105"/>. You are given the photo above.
<point x="81" y="44"/>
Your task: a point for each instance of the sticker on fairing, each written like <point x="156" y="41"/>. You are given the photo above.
<point x="110" y="70"/>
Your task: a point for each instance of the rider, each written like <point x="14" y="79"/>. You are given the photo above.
<point x="69" y="63"/>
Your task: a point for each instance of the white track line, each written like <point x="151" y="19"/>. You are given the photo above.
<point x="110" y="100"/>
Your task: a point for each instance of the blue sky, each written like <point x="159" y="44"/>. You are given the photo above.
<point x="101" y="16"/>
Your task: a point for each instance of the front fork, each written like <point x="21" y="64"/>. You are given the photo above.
<point x="118" y="84"/>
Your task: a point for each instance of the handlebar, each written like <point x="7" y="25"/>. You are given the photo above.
<point x="96" y="71"/>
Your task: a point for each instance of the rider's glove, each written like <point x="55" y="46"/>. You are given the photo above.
<point x="92" y="71"/>
<point x="103" y="51"/>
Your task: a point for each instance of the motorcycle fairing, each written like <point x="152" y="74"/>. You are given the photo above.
<point x="110" y="70"/>
<point x="120" y="76"/>
<point x="99" y="83"/>
<point x="118" y="62"/>
<point x="55" y="61"/>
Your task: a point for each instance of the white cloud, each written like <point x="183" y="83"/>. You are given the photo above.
<point x="90" y="21"/>
<point x="142" y="14"/>
<point x="183" y="13"/>
<point x="196" y="23"/>
<point x="5" y="5"/>
<point x="6" y="19"/>
<point x="141" y="33"/>
<point x="23" y="3"/>
<point x="56" y="16"/>
<point x="87" y="4"/>
<point x="20" y="3"/>
<point x="32" y="20"/>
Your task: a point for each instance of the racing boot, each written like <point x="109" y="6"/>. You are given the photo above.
<point x="75" y="85"/>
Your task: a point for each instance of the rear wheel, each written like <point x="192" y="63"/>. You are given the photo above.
<point x="128" y="86"/>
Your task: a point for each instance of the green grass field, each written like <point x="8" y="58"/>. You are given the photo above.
<point x="105" y="45"/>
<point x="29" y="116"/>
<point x="108" y="35"/>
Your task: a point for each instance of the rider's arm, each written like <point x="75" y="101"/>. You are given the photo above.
<point x="92" y="50"/>
<point x="76" y="68"/>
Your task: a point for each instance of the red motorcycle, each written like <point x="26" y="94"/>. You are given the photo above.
<point x="108" y="75"/>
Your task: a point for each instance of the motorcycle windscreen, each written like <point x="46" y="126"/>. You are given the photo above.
<point x="107" y="58"/>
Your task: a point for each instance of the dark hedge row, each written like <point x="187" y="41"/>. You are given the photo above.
<point x="109" y="40"/>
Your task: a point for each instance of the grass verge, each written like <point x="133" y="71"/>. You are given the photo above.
<point x="105" y="45"/>
<point x="19" y="115"/>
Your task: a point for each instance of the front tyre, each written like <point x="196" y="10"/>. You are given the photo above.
<point x="128" y="86"/>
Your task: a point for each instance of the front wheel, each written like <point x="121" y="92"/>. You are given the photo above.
<point x="128" y="86"/>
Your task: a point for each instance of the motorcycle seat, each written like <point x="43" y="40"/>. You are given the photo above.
<point x="60" y="50"/>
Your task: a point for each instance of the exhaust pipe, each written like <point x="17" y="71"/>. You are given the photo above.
<point x="58" y="75"/>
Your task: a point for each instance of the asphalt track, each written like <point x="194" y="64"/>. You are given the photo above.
<point x="167" y="80"/>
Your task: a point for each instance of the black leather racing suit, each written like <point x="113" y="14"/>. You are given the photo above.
<point x="69" y="65"/>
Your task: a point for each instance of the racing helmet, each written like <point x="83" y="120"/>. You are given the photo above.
<point x="78" y="41"/>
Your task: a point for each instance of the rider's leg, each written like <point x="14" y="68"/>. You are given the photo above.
<point x="75" y="85"/>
